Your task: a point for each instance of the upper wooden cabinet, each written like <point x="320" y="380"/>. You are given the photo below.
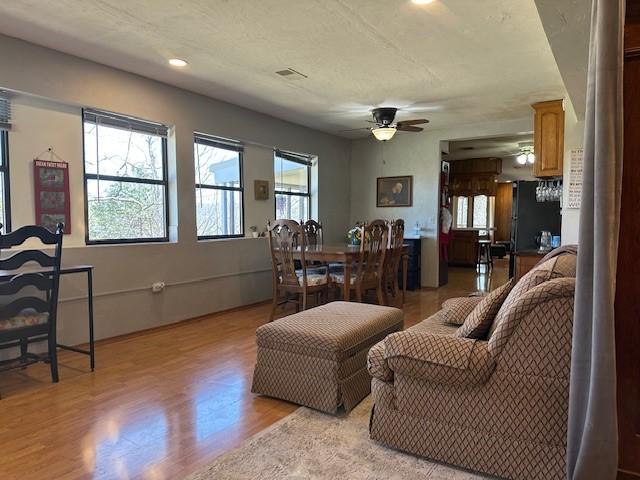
<point x="548" y="138"/>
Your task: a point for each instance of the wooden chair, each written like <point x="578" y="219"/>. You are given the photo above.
<point x="27" y="317"/>
<point x="370" y="268"/>
<point x="393" y="258"/>
<point x="285" y="238"/>
<point x="313" y="232"/>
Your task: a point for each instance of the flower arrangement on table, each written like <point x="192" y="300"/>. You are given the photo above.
<point x="354" y="236"/>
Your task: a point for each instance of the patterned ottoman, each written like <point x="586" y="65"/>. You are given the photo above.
<point x="318" y="358"/>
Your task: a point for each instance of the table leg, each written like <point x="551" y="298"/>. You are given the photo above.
<point x="347" y="281"/>
<point x="405" y="269"/>
<point x="91" y="333"/>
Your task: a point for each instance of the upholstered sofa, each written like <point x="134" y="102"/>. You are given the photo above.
<point x="492" y="398"/>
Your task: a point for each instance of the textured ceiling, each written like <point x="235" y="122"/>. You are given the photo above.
<point x="453" y="61"/>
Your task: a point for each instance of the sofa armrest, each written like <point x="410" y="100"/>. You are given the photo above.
<point x="439" y="358"/>
<point x="377" y="364"/>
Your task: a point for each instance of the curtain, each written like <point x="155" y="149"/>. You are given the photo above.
<point x="592" y="431"/>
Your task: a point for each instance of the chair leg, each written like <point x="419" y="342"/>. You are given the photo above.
<point x="304" y="301"/>
<point x="381" y="299"/>
<point x="24" y="347"/>
<point x="274" y="305"/>
<point x="53" y="358"/>
<point x="358" y="294"/>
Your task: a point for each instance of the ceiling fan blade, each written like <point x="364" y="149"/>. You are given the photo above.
<point x="417" y="121"/>
<point x="408" y="128"/>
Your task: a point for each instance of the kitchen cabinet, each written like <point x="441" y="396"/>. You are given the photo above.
<point x="485" y="185"/>
<point x="548" y="138"/>
<point x="463" y="248"/>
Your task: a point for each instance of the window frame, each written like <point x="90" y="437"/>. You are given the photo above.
<point x="230" y="145"/>
<point x="302" y="160"/>
<point x="114" y="178"/>
<point x="4" y="168"/>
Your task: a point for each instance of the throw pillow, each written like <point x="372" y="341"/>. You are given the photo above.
<point x="456" y="310"/>
<point x="479" y="321"/>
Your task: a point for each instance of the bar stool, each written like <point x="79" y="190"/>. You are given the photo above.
<point x="483" y="248"/>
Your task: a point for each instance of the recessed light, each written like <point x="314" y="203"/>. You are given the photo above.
<point x="177" y="62"/>
<point x="422" y="2"/>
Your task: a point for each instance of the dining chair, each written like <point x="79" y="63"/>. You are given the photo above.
<point x="30" y="314"/>
<point x="285" y="238"/>
<point x="313" y="232"/>
<point x="369" y="270"/>
<point x="393" y="258"/>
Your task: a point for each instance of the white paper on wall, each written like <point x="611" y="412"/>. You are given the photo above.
<point x="575" y="178"/>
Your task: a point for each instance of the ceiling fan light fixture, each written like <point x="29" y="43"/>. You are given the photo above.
<point x="531" y="158"/>
<point x="521" y="159"/>
<point x="384" y="133"/>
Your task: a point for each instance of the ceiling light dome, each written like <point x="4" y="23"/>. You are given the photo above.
<point x="177" y="62"/>
<point x="384" y="133"/>
<point x="521" y="159"/>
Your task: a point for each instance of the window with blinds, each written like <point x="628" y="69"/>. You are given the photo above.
<point x="219" y="187"/>
<point x="292" y="185"/>
<point x="5" y="203"/>
<point x="5" y="126"/>
<point x="125" y="174"/>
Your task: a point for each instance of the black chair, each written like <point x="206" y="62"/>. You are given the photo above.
<point x="32" y="293"/>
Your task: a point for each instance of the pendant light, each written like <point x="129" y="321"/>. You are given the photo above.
<point x="384" y="133"/>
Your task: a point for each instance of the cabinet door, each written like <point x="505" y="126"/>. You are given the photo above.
<point x="549" y="138"/>
<point x="484" y="185"/>
<point x="462" y="185"/>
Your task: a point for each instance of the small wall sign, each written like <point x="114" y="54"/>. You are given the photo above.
<point x="53" y="204"/>
<point x="575" y="178"/>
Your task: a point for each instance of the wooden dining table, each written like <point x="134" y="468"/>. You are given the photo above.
<point x="347" y="255"/>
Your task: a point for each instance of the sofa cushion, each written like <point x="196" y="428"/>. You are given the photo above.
<point x="456" y="310"/>
<point x="479" y="321"/>
<point x="434" y="324"/>
<point x="334" y="331"/>
<point x="563" y="265"/>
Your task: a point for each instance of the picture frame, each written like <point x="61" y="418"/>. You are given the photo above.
<point x="52" y="199"/>
<point x="394" y="191"/>
<point x="261" y="189"/>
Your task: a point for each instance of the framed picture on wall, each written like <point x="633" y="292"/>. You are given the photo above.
<point x="52" y="194"/>
<point x="261" y="189"/>
<point x="394" y="191"/>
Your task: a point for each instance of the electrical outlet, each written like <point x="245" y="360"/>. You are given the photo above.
<point x="157" y="287"/>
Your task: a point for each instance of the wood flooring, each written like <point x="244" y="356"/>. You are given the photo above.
<point x="161" y="403"/>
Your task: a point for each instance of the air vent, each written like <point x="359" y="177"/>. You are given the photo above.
<point x="291" y="74"/>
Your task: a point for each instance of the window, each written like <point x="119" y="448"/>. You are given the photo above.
<point x="461" y="209"/>
<point x="292" y="186"/>
<point x="5" y="216"/>
<point x="474" y="212"/>
<point x="219" y="187"/>
<point x="125" y="175"/>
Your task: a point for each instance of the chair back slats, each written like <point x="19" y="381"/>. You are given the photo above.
<point x="396" y="241"/>
<point x="24" y="303"/>
<point x="285" y="236"/>
<point x="313" y="232"/>
<point x="23" y="257"/>
<point x="373" y="250"/>
<point x="47" y="282"/>
<point x="39" y="281"/>
<point x="22" y="234"/>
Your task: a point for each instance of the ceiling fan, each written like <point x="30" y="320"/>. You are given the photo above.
<point x="385" y="129"/>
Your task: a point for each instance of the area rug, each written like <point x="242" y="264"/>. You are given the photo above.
<point x="312" y="445"/>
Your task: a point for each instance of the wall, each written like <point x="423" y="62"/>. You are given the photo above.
<point x="201" y="277"/>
